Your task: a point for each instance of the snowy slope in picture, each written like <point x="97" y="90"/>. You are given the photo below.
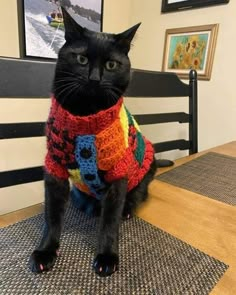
<point x="44" y="28"/>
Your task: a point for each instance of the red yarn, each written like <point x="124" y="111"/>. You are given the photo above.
<point x="129" y="167"/>
<point x="92" y="124"/>
<point x="63" y="128"/>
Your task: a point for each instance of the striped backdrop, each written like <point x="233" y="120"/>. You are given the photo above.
<point x="24" y="106"/>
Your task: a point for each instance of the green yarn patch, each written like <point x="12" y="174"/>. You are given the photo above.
<point x="139" y="152"/>
<point x="130" y="117"/>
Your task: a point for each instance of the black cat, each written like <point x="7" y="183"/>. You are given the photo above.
<point x="94" y="140"/>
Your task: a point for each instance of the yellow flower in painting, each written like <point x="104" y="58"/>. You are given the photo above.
<point x="184" y="65"/>
<point x="193" y="40"/>
<point x="177" y="56"/>
<point x="193" y="44"/>
<point x="175" y="64"/>
<point x="196" y="63"/>
<point x="187" y="58"/>
<point x="202" y="46"/>
<point x="179" y="48"/>
<point x="187" y="47"/>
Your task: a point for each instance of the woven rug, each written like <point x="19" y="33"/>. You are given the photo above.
<point x="152" y="261"/>
<point x="212" y="175"/>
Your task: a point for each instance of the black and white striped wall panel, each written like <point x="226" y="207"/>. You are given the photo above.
<point x="24" y="105"/>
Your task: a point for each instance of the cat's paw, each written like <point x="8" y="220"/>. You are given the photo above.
<point x="127" y="214"/>
<point x="106" y="264"/>
<point x="42" y="260"/>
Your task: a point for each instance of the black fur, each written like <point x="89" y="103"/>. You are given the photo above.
<point x="56" y="197"/>
<point x="83" y="90"/>
<point x="87" y="89"/>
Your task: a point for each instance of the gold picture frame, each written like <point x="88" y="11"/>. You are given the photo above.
<point x="190" y="48"/>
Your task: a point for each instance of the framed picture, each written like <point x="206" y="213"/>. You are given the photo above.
<point x="41" y="24"/>
<point x="175" y="5"/>
<point x="190" y="48"/>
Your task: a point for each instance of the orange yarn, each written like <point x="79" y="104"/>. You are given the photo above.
<point x="110" y="144"/>
<point x="109" y="141"/>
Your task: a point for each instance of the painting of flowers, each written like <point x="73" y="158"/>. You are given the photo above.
<point x="188" y="52"/>
<point x="190" y="48"/>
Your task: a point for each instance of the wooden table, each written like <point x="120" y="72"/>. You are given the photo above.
<point x="204" y="223"/>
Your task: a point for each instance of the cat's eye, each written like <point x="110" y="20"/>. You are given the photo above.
<point x="111" y="65"/>
<point x="82" y="60"/>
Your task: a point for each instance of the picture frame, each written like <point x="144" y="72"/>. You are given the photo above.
<point x="190" y="48"/>
<point x="41" y="27"/>
<point x="179" y="5"/>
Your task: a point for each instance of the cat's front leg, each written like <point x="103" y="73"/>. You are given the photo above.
<point x="107" y="259"/>
<point x="56" y="197"/>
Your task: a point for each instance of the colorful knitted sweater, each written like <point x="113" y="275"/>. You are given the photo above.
<point x="107" y="143"/>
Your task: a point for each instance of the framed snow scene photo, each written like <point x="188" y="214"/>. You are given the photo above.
<point x="42" y="28"/>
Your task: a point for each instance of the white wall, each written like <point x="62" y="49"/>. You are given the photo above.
<point x="116" y="15"/>
<point x="26" y="152"/>
<point x="9" y="38"/>
<point x="217" y="104"/>
<point x="217" y="98"/>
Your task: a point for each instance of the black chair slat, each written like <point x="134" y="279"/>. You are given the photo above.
<point x="19" y="130"/>
<point x="179" y="144"/>
<point x="33" y="79"/>
<point x="25" y="78"/>
<point x="146" y="119"/>
<point x="156" y="84"/>
<point x="20" y="176"/>
<point x="163" y="84"/>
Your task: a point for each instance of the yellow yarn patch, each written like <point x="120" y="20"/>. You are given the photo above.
<point x="124" y="124"/>
<point x="136" y="125"/>
<point x="76" y="179"/>
<point x="75" y="176"/>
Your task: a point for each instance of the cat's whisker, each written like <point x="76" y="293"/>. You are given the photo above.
<point x="73" y="88"/>
<point x="111" y="87"/>
<point x="65" y="80"/>
<point x="65" y="89"/>
<point x="112" y="97"/>
<point x="66" y="72"/>
<point x="64" y="86"/>
<point x="72" y="74"/>
<point x="82" y="79"/>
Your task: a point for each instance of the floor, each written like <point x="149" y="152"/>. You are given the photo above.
<point x="204" y="223"/>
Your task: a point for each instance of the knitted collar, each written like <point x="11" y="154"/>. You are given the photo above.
<point x="82" y="125"/>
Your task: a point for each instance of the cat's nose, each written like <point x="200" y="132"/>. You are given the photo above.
<point x="94" y="76"/>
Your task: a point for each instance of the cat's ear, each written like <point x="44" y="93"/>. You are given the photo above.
<point x="124" y="39"/>
<point x="72" y="28"/>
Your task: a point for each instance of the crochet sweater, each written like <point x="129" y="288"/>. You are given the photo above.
<point x="97" y="149"/>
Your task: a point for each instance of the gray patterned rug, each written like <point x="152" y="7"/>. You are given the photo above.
<point x="212" y="175"/>
<point x="152" y="261"/>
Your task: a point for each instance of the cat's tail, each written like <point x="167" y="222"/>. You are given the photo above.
<point x="164" y="163"/>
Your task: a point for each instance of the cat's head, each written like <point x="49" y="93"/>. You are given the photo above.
<point x="93" y="69"/>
